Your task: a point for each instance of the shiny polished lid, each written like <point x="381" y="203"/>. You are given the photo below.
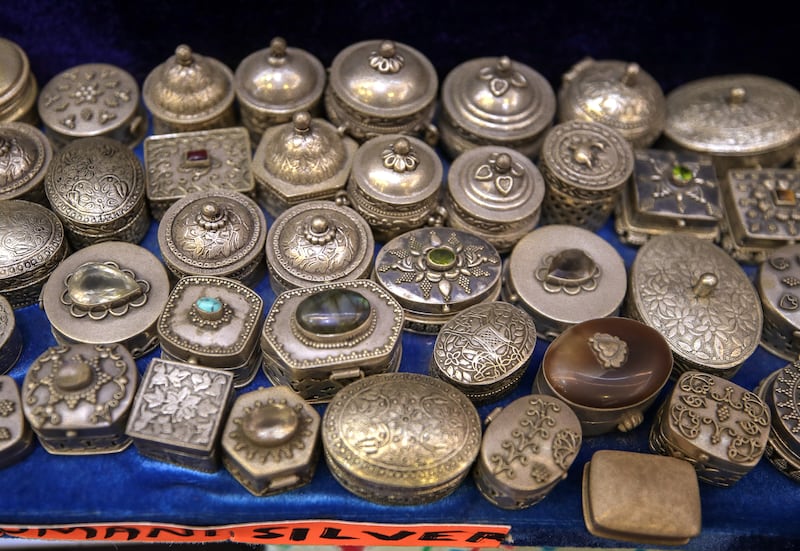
<point x="25" y="155"/>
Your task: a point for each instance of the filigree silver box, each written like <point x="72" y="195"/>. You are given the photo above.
<point x="777" y="281"/>
<point x="16" y="437"/>
<point x="25" y="156"/>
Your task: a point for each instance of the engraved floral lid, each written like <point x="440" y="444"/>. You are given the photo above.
<point x="498" y="99"/>
<point x="25" y="155"/>
<point x="699" y="299"/>
<point x="31" y="243"/>
<point x="188" y="87"/>
<point x="618" y="94"/>
<point x="17" y="83"/>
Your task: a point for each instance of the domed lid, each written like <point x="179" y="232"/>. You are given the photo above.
<point x="30" y="237"/>
<point x="617" y="94"/>
<point x="397" y="169"/>
<point x="188" y="87"/>
<point x="382" y="78"/>
<point x="25" y="155"/>
<point x="14" y="70"/>
<point x="785" y="397"/>
<point x="498" y="98"/>
<point x="279" y="78"/>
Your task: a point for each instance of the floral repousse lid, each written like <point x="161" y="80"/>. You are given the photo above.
<point x="25" y="155"/>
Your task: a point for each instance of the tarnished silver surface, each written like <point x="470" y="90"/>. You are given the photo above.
<point x="318" y="242"/>
<point x="95" y="99"/>
<point x="436" y="273"/>
<point x="25" y="155"/>
<point x="96" y="186"/>
<point x="563" y="275"/>
<point x="354" y="340"/>
<point x="780" y="390"/>
<point x="275" y="83"/>
<point x="527" y="448"/>
<point x="762" y="211"/>
<point x="777" y="282"/>
<point x="178" y="414"/>
<point x="671" y="192"/>
<point x="16" y="437"/>
<point x="218" y="233"/>
<point x="495" y="193"/>
<point x="485" y="350"/>
<point x="32" y="244"/>
<point x="617" y="94"/>
<point x="111" y="292"/>
<point x="717" y="426"/>
<point x="189" y="92"/>
<point x="394" y="184"/>
<point x="585" y="165"/>
<point x="10" y="337"/>
<point x="270" y="443"/>
<point x="495" y="101"/>
<point x="18" y="86"/>
<point x="213" y="322"/>
<point x="188" y="162"/>
<point x="382" y="87"/>
<point x="300" y="161"/>
<point x="738" y="120"/>
<point x="400" y="438"/>
<point x="699" y="299"/>
<point x="77" y="398"/>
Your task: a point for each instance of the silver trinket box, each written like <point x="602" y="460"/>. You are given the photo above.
<point x="18" y="86"/>
<point x="189" y="92"/>
<point x="436" y="273"/>
<point x="394" y="184"/>
<point x="777" y="278"/>
<point x="213" y="322"/>
<point x="563" y="275"/>
<point x="780" y="390"/>
<point x="484" y="351"/>
<point x="737" y="120"/>
<point x="495" y="101"/>
<point x="699" y="299"/>
<point x="318" y="242"/>
<point x="25" y="155"/>
<point x="16" y="436"/>
<point x="178" y="414"/>
<point x="495" y="193"/>
<point x="608" y="370"/>
<point x="715" y="425"/>
<point x="400" y="438"/>
<point x="306" y="159"/>
<point x="96" y="186"/>
<point x="586" y="165"/>
<point x="319" y="339"/>
<point x="270" y="443"/>
<point x="111" y="292"/>
<point x="218" y="233"/>
<point x="527" y="448"/>
<point x="762" y="210"/>
<point x="189" y="162"/>
<point x="77" y="398"/>
<point x="95" y="99"/>
<point x="671" y="192"/>
<point x="382" y="87"/>
<point x="275" y="83"/>
<point x="32" y="243"/>
<point x="10" y="337"/>
<point x="617" y="94"/>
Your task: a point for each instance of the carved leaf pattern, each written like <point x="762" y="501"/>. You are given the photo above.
<point x="526" y="438"/>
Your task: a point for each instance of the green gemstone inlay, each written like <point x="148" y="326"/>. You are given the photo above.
<point x="681" y="174"/>
<point x="441" y="258"/>
<point x="333" y="312"/>
<point x="209" y="305"/>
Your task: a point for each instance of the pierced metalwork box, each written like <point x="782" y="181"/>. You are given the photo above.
<point x="25" y="156"/>
<point x="16" y="436"/>
<point x="18" y="86"/>
<point x="780" y="390"/>
<point x="10" y="337"/>
<point x="777" y="278"/>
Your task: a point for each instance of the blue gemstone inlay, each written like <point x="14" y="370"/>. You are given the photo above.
<point x="209" y="305"/>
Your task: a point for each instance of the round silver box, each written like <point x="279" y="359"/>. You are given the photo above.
<point x="25" y="156"/>
<point x="586" y="165"/>
<point x="382" y="87"/>
<point x="275" y="83"/>
<point x="10" y="337"/>
<point x="394" y="184"/>
<point x="96" y="186"/>
<point x="617" y="94"/>
<point x="495" y="193"/>
<point x="220" y="233"/>
<point x="95" y="99"/>
<point x="699" y="299"/>
<point x="436" y="273"/>
<point x="318" y="242"/>
<point x="780" y="390"/>
<point x="738" y="120"/>
<point x="563" y="275"/>
<point x="484" y="351"/>
<point x="189" y="92"/>
<point x="777" y="282"/>
<point x="18" y="86"/>
<point x="495" y="101"/>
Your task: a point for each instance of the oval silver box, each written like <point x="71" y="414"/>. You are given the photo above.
<point x="10" y="337"/>
<point x="780" y="390"/>
<point x="25" y="156"/>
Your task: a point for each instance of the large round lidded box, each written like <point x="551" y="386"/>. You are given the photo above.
<point x="400" y="438"/>
<point x="18" y="86"/>
<point x="780" y="390"/>
<point x="25" y="156"/>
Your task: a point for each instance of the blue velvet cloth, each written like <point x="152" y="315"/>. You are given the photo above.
<point x="674" y="41"/>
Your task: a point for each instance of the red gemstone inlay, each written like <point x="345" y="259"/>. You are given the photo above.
<point x="197" y="155"/>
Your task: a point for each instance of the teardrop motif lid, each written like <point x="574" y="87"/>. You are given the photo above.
<point x="498" y="98"/>
<point x="25" y="155"/>
<point x="188" y="87"/>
